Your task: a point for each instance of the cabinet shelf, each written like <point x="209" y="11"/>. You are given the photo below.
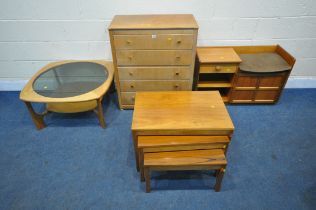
<point x="212" y="84"/>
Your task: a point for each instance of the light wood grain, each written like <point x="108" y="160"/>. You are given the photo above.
<point x="213" y="84"/>
<point x="153" y="57"/>
<point x="217" y="55"/>
<point x="128" y="98"/>
<point x="28" y="93"/>
<point x="181" y="111"/>
<point x="154" y="41"/>
<point x="154" y="85"/>
<point x="155" y="73"/>
<point x="72" y="107"/>
<point x="172" y="21"/>
<point x="219" y="68"/>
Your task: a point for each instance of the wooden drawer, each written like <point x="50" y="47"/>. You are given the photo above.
<point x="128" y="98"/>
<point x="154" y="41"/>
<point x="242" y="96"/>
<point x="154" y="73"/>
<point x="220" y="68"/>
<point x="154" y="57"/>
<point x="154" y="85"/>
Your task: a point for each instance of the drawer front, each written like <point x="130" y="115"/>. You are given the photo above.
<point x="153" y="57"/>
<point x="242" y="96"/>
<point x="154" y="41"/>
<point x="266" y="96"/>
<point x="246" y="82"/>
<point x="152" y="85"/>
<point x="221" y="68"/>
<point x="154" y="73"/>
<point x="271" y="82"/>
<point x="128" y="98"/>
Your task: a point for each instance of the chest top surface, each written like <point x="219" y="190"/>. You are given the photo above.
<point x="217" y="55"/>
<point x="180" y="110"/>
<point x="178" y="21"/>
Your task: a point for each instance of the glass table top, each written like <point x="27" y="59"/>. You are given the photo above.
<point x="71" y="79"/>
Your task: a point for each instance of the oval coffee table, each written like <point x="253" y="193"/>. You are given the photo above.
<point x="68" y="87"/>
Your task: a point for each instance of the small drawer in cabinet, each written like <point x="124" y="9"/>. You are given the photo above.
<point x="153" y="57"/>
<point x="154" y="85"/>
<point x="220" y="68"/>
<point x="154" y="73"/>
<point x="128" y="98"/>
<point x="154" y="41"/>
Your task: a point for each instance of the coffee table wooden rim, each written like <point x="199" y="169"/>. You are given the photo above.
<point x="29" y="95"/>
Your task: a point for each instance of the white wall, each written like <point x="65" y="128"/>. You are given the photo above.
<point x="35" y="32"/>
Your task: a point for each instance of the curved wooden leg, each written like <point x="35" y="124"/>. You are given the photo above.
<point x="100" y="114"/>
<point x="37" y="119"/>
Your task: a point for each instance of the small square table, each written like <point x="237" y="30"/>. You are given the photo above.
<point x="180" y="113"/>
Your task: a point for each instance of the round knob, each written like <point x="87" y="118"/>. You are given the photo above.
<point x="178" y="57"/>
<point x="130" y="57"/>
<point x="179" y="42"/>
<point x="132" y="86"/>
<point x="128" y="42"/>
<point x="177" y="73"/>
<point x="217" y="68"/>
<point x="176" y="86"/>
<point x="130" y="73"/>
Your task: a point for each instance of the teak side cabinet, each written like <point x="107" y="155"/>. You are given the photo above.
<point x="219" y="68"/>
<point x="152" y="53"/>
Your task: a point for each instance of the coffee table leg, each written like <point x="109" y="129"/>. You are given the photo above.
<point x="100" y="114"/>
<point x="37" y="119"/>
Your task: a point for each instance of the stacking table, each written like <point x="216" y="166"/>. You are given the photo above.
<point x="182" y="114"/>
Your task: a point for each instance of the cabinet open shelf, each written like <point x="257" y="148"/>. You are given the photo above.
<point x="213" y="84"/>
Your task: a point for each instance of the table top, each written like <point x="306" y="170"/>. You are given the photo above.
<point x="180" y="110"/>
<point x="167" y="21"/>
<point x="69" y="81"/>
<point x="217" y="55"/>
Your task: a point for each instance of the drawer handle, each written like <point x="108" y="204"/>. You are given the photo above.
<point x="177" y="73"/>
<point x="176" y="86"/>
<point x="132" y="86"/>
<point x="128" y="42"/>
<point x="178" y="57"/>
<point x="179" y="42"/>
<point x="217" y="68"/>
<point x="130" y="73"/>
<point x="130" y="57"/>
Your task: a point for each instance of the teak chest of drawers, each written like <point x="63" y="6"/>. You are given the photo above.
<point x="152" y="53"/>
